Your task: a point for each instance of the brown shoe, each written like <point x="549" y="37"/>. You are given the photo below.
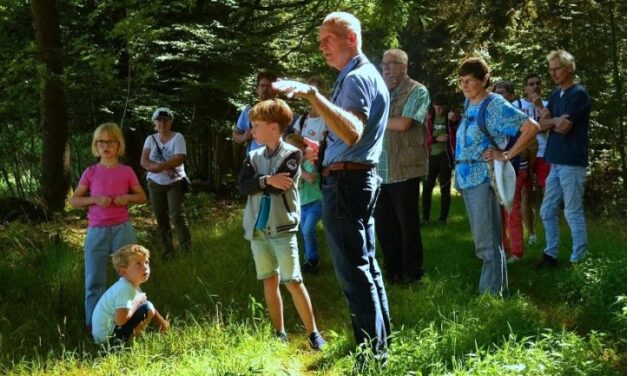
<point x="546" y="260"/>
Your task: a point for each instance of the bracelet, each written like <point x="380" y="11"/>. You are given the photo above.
<point x="506" y="155"/>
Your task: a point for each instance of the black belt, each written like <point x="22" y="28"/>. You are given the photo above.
<point x="345" y="166"/>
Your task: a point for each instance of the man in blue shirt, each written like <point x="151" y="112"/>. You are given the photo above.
<point x="356" y="117"/>
<point x="241" y="133"/>
<point x="567" y="117"/>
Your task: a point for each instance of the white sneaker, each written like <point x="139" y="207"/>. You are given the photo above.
<point x="533" y="239"/>
<point x="512" y="259"/>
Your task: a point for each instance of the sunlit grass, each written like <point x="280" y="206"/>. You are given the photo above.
<point x="556" y="322"/>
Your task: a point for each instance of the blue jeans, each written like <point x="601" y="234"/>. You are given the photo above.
<point x="565" y="183"/>
<point x="349" y="198"/>
<point x="100" y="242"/>
<point x="484" y="214"/>
<point x="310" y="214"/>
<point x="121" y="334"/>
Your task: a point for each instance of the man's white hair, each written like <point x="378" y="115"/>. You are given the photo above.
<point x="399" y="54"/>
<point x="345" y="21"/>
<point x="565" y="57"/>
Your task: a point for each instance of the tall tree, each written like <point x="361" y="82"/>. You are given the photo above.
<point x="55" y="161"/>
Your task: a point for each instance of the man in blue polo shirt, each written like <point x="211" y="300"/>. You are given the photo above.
<point x="567" y="116"/>
<point x="356" y="117"/>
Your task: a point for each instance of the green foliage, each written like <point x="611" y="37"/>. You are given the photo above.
<point x="123" y="58"/>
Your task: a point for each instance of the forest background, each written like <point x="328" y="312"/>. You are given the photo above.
<point x="67" y="66"/>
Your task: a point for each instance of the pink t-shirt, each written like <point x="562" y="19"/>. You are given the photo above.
<point x="112" y="182"/>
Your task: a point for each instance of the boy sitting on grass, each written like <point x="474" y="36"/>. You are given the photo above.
<point x="269" y="177"/>
<point x="123" y="312"/>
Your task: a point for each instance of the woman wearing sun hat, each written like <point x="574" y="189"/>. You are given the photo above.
<point x="163" y="156"/>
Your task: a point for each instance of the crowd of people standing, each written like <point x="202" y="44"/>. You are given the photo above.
<point x="356" y="160"/>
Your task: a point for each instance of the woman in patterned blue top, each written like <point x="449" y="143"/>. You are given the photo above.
<point x="473" y="152"/>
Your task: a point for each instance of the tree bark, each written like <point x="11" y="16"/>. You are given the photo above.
<point x="55" y="160"/>
<point x="620" y="144"/>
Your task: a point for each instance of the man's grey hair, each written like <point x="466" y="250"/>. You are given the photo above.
<point x="345" y="21"/>
<point x="565" y="57"/>
<point x="399" y="54"/>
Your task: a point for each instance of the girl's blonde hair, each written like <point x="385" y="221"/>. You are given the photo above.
<point x="122" y="256"/>
<point x="114" y="132"/>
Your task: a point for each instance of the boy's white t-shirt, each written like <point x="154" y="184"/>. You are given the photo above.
<point x="120" y="295"/>
<point x="313" y="128"/>
<point x="175" y="145"/>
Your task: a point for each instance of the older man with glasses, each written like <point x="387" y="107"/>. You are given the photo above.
<point x="402" y="163"/>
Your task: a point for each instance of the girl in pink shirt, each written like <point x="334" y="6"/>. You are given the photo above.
<point x="106" y="189"/>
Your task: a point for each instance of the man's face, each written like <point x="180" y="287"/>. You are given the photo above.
<point x="533" y="86"/>
<point x="338" y="46"/>
<point x="560" y="73"/>
<point x="264" y="90"/>
<point x="393" y="70"/>
<point x="439" y="110"/>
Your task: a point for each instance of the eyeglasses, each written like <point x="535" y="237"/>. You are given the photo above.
<point x="107" y="142"/>
<point x="390" y="64"/>
<point x="465" y="82"/>
<point x="553" y="70"/>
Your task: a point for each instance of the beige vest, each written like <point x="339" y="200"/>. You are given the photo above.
<point x="407" y="152"/>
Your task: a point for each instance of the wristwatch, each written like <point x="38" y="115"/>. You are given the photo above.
<point x="506" y="155"/>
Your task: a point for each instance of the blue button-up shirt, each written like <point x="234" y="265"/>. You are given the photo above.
<point x="243" y="124"/>
<point x="360" y="90"/>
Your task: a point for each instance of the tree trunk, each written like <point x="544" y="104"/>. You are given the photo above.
<point x="620" y="144"/>
<point x="55" y="159"/>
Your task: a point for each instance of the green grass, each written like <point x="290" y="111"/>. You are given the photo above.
<point x="569" y="321"/>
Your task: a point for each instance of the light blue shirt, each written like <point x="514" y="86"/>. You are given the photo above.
<point x="120" y="295"/>
<point x="360" y="90"/>
<point x="243" y="124"/>
<point x="502" y="119"/>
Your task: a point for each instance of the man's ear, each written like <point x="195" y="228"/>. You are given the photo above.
<point x="352" y="38"/>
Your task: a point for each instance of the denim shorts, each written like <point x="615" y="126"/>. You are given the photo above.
<point x="276" y="255"/>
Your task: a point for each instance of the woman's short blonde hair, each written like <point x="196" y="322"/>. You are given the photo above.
<point x="122" y="256"/>
<point x="114" y="132"/>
